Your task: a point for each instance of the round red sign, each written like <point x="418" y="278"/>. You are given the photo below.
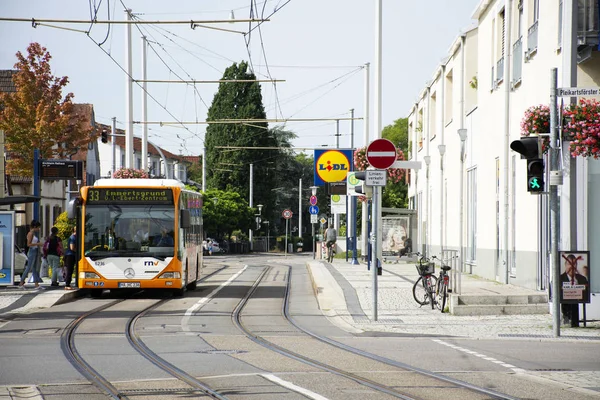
<point x="381" y="153"/>
<point x="287" y="214"/>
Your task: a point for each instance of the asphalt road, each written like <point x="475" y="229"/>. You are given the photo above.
<point x="199" y="335"/>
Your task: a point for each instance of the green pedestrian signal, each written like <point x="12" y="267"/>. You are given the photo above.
<point x="530" y="149"/>
<point x="535" y="175"/>
<point x="534" y="184"/>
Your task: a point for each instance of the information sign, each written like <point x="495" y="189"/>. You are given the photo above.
<point x="375" y="177"/>
<point x="314" y="218"/>
<point x="61" y="169"/>
<point x="313" y="209"/>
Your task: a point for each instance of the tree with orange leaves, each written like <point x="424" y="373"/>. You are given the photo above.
<point x="37" y="116"/>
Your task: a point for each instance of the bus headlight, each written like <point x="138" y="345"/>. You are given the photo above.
<point x="171" y="275"/>
<point x="88" y="275"/>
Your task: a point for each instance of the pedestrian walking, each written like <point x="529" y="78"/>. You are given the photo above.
<point x="70" y="259"/>
<point x="53" y="252"/>
<point x="33" y="255"/>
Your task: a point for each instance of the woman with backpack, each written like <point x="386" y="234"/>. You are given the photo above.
<point x="53" y="252"/>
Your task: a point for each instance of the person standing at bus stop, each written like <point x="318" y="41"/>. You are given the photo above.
<point x="70" y="259"/>
<point x="53" y="252"/>
<point x="33" y="255"/>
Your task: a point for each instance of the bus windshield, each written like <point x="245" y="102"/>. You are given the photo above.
<point x="129" y="231"/>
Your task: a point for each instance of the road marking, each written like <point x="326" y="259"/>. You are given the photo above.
<point x="295" y="388"/>
<point x="190" y="311"/>
<point x="483" y="356"/>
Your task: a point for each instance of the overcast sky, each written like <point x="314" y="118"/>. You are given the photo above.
<point x="319" y="47"/>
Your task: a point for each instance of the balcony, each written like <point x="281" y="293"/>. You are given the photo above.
<point x="588" y="23"/>
<point x="517" y="67"/>
<point x="532" y="41"/>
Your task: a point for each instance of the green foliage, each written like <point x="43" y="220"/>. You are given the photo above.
<point x="224" y="212"/>
<point x="65" y="226"/>
<point x="395" y="195"/>
<point x="194" y="171"/>
<point x="397" y="133"/>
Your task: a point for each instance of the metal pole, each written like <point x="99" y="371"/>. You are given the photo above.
<point x="128" y="96"/>
<point x="377" y="133"/>
<point x="144" y="107"/>
<point x="251" y="202"/>
<point x="300" y="208"/>
<point x="286" y="234"/>
<point x="36" y="184"/>
<point x="507" y="113"/>
<point x="337" y="133"/>
<point x="365" y="208"/>
<point x="353" y="200"/>
<point x="554" y="216"/>
<point x="204" y="170"/>
<point x="113" y="144"/>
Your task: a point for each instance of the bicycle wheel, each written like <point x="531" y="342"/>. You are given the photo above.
<point x="420" y="292"/>
<point x="442" y="293"/>
<point x="330" y="255"/>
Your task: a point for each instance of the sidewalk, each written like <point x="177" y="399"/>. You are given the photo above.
<point x="345" y="295"/>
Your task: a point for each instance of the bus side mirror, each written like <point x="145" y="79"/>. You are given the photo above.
<point x="72" y="208"/>
<point x="184" y="221"/>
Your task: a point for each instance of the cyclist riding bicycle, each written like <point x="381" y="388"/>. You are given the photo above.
<point x="330" y="238"/>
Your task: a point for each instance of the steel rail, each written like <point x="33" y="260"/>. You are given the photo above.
<point x="385" y="360"/>
<point x="236" y="316"/>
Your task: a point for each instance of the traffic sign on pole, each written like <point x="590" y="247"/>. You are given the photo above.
<point x="381" y="153"/>
<point x="313" y="200"/>
<point x="287" y="214"/>
<point x="313" y="209"/>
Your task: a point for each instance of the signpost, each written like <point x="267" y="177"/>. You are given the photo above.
<point x="381" y="153"/>
<point x="313" y="200"/>
<point x="313" y="210"/>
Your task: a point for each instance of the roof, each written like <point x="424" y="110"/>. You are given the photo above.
<point x="6" y="81"/>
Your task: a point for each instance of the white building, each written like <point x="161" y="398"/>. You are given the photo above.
<point x="508" y="58"/>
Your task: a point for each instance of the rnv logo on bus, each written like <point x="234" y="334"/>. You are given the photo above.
<point x="151" y="263"/>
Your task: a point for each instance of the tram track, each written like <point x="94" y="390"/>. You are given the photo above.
<point x="455" y="386"/>
<point x="94" y="377"/>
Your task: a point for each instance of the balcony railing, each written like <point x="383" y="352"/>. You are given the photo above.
<point x="588" y="23"/>
<point x="493" y="80"/>
<point x="517" y="59"/>
<point x="500" y="70"/>
<point x="532" y="39"/>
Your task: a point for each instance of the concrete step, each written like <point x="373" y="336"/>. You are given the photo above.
<point x="483" y="304"/>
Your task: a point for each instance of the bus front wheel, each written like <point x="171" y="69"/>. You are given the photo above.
<point x="95" y="293"/>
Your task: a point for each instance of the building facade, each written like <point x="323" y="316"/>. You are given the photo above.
<point x="471" y="195"/>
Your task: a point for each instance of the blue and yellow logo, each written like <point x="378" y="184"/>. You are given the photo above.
<point x="332" y="165"/>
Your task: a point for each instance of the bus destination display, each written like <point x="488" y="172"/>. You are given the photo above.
<point x="129" y="196"/>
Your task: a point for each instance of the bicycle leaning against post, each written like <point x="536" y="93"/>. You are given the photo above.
<point x="424" y="287"/>
<point x="441" y="288"/>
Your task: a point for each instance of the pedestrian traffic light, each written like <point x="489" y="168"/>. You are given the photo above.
<point x="530" y="149"/>
<point x="104" y="136"/>
<point x="535" y="175"/>
<point x="363" y="188"/>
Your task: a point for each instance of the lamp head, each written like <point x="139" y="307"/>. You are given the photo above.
<point x="259" y="208"/>
<point x="463" y="134"/>
<point x="442" y="149"/>
<point x="314" y="190"/>
<point x="427" y="160"/>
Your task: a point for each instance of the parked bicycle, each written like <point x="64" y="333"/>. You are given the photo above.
<point x="424" y="287"/>
<point x="441" y="288"/>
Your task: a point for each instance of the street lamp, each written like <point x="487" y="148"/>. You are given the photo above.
<point x="427" y="160"/>
<point x="463" y="138"/>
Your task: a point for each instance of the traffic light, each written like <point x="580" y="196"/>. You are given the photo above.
<point x="530" y="149"/>
<point x="104" y="136"/>
<point x="535" y="175"/>
<point x="363" y="188"/>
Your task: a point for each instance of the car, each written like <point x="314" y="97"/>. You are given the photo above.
<point x="213" y="244"/>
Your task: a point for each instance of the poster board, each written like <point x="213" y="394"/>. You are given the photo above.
<point x="7" y="246"/>
<point x="395" y="240"/>
<point x="574" y="276"/>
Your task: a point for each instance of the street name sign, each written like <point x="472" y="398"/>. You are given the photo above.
<point x="407" y="164"/>
<point x="381" y="153"/>
<point x="576" y="92"/>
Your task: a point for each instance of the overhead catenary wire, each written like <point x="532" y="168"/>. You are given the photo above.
<point x="124" y="22"/>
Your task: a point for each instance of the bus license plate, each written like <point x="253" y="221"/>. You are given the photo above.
<point x="129" y="284"/>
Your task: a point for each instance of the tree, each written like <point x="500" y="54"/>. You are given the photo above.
<point x="36" y="116"/>
<point x="395" y="194"/>
<point x="397" y="134"/>
<point x="229" y="170"/>
<point x="224" y="212"/>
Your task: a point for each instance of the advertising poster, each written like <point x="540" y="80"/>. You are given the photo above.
<point x="574" y="277"/>
<point x="7" y="254"/>
<point x="395" y="241"/>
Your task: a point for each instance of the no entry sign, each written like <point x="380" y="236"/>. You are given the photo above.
<point x="381" y="153"/>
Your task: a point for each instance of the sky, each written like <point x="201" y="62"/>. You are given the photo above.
<point x="318" y="48"/>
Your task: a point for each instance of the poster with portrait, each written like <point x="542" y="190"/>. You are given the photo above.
<point x="7" y="244"/>
<point x="574" y="277"/>
<point x="395" y="240"/>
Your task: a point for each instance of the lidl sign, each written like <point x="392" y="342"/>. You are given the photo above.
<point x="332" y="165"/>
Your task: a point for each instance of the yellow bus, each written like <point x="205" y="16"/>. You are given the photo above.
<point x="138" y="234"/>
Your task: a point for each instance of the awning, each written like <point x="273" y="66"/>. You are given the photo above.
<point x="10" y="200"/>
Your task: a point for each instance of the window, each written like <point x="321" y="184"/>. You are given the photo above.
<point x="449" y="96"/>
<point x="471" y="255"/>
<point x="560" y="20"/>
<point x="500" y="49"/>
<point x="138" y="163"/>
<point x="419" y="129"/>
<point x="432" y="115"/>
